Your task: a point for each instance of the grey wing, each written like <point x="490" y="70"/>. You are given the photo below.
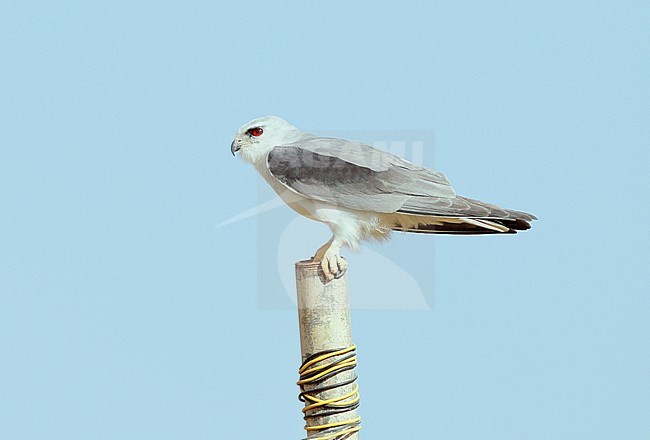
<point x="358" y="176"/>
<point x="353" y="175"/>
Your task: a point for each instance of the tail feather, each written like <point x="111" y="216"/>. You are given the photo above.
<point x="467" y="226"/>
<point x="493" y="226"/>
<point x="463" y="216"/>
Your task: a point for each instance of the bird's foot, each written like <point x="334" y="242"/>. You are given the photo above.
<point x="333" y="264"/>
<point x="329" y="256"/>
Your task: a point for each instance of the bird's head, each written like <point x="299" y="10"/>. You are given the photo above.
<point x="256" y="138"/>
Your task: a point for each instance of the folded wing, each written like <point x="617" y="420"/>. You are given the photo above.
<point x="360" y="177"/>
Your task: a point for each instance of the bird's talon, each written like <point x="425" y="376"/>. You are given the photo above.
<point x="343" y="268"/>
<point x="333" y="266"/>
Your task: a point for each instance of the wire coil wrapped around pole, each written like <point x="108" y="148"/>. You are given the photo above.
<point x="317" y="369"/>
<point x="328" y="381"/>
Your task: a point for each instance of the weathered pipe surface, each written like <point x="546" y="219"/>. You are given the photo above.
<point x="324" y="318"/>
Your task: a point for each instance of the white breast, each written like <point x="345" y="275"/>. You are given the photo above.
<point x="299" y="203"/>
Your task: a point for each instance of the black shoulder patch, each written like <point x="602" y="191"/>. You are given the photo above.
<point x="292" y="164"/>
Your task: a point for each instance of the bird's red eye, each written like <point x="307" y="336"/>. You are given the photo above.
<point x="257" y="131"/>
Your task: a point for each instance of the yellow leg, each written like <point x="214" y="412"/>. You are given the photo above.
<point x="320" y="253"/>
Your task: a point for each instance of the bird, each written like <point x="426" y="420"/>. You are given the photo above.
<point x="360" y="192"/>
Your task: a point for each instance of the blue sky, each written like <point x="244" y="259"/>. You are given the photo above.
<point x="125" y="312"/>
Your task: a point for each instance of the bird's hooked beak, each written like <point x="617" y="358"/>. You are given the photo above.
<point x="235" y="146"/>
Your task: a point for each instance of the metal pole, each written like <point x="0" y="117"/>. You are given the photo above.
<point x="324" y="319"/>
